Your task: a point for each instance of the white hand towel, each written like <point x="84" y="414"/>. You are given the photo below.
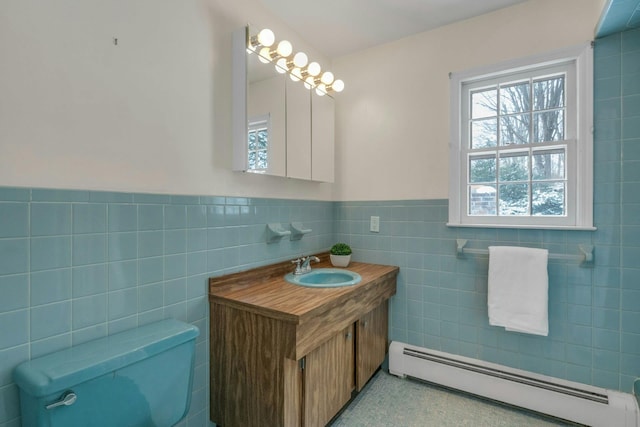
<point x="518" y="289"/>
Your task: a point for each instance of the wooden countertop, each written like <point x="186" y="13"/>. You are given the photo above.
<point x="264" y="291"/>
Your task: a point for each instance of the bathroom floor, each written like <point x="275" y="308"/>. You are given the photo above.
<point x="391" y="401"/>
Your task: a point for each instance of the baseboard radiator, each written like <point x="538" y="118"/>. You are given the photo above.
<point x="579" y="403"/>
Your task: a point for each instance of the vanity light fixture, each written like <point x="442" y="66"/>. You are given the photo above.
<point x="337" y="86"/>
<point x="283" y="50"/>
<point x="298" y="67"/>
<point x="264" y="55"/>
<point x="300" y="60"/>
<point x="321" y="89"/>
<point x="327" y="77"/>
<point x="309" y="82"/>
<point x="264" y="38"/>
<point x="295" y="74"/>
<point x="281" y="65"/>
<point x="314" y="69"/>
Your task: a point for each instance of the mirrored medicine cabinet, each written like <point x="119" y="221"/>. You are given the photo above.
<point x="280" y="127"/>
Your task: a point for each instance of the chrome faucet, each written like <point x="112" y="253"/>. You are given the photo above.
<point x="303" y="264"/>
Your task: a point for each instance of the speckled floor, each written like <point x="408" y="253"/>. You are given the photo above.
<point x="394" y="402"/>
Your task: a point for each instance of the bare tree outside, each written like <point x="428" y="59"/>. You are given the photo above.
<point x="258" y="147"/>
<point x="509" y="124"/>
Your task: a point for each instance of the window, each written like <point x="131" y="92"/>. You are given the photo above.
<point x="521" y="149"/>
<point x="258" y="144"/>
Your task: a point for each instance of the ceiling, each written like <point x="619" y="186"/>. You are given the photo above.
<point x="619" y="15"/>
<point x="341" y="27"/>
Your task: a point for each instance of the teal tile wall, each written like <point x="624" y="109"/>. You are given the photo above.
<point x="78" y="265"/>
<point x="594" y="313"/>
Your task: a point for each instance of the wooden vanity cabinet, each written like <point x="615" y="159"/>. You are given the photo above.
<point x="279" y="368"/>
<point x="371" y="342"/>
<point x="343" y="364"/>
<point x="328" y="378"/>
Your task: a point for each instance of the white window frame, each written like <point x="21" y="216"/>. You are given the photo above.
<point x="579" y="192"/>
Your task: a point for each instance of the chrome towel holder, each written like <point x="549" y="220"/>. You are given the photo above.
<point x="585" y="258"/>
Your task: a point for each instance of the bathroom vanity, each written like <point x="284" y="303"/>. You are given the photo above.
<point x="289" y="355"/>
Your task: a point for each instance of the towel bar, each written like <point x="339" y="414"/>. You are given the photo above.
<point x="585" y="258"/>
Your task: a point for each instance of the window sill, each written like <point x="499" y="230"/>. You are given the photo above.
<point x="532" y="227"/>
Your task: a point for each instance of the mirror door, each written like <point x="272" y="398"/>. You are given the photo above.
<point x="322" y="138"/>
<point x="298" y="130"/>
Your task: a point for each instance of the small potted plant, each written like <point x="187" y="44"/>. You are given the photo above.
<point x="340" y="255"/>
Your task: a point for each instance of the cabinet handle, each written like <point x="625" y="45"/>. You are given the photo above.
<point x="348" y="335"/>
<point x="365" y="323"/>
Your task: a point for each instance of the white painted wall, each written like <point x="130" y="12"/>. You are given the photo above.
<point x="153" y="113"/>
<point x="392" y="120"/>
<point x="150" y="114"/>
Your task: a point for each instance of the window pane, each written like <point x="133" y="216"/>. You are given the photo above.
<point x="514" y="129"/>
<point x="514" y="199"/>
<point x="484" y="104"/>
<point x="252" y="140"/>
<point x="514" y="167"/>
<point x="548" y="93"/>
<point x="262" y="159"/>
<point x="515" y="98"/>
<point x="548" y="199"/>
<point x="484" y="133"/>
<point x="482" y="169"/>
<point x="262" y="138"/>
<point x="548" y="164"/>
<point x="252" y="160"/>
<point x="482" y="200"/>
<point x="548" y="126"/>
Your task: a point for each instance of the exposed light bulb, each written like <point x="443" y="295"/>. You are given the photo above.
<point x="338" y="85"/>
<point x="300" y="59"/>
<point x="284" y="48"/>
<point x="264" y="55"/>
<point x="266" y="37"/>
<point x="297" y="66"/>
<point x="309" y="82"/>
<point x="321" y="90"/>
<point x="281" y="65"/>
<point x="314" y="69"/>
<point x="295" y="75"/>
<point x="327" y="77"/>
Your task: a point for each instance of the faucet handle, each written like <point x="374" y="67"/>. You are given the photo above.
<point x="298" y="262"/>
<point x="302" y="264"/>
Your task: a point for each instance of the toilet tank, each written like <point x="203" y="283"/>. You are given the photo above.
<point x="139" y="377"/>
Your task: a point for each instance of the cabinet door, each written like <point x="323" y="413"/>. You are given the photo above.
<point x="328" y="378"/>
<point x="322" y="138"/>
<point x="298" y="131"/>
<point x="266" y="116"/>
<point x="371" y="343"/>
